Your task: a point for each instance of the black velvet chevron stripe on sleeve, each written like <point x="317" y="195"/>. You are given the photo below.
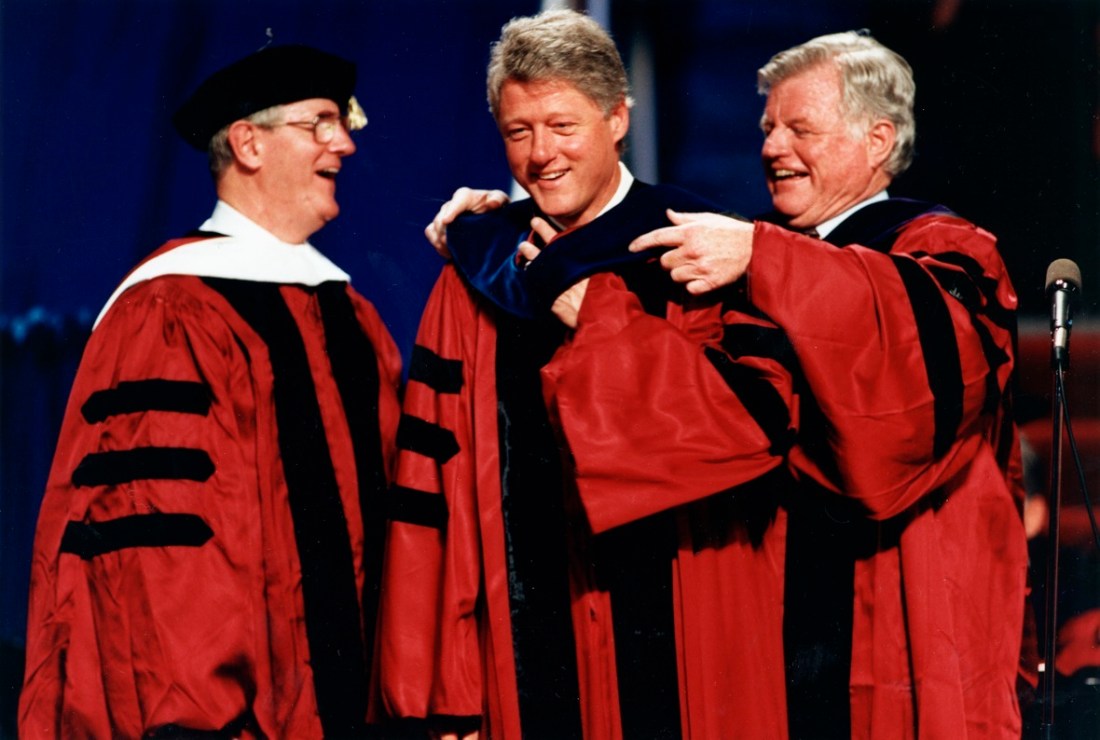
<point x="89" y="539"/>
<point x="143" y="463"/>
<point x="154" y="394"/>
<point x="413" y="506"/>
<point x="426" y="438"/>
<point x="438" y="373"/>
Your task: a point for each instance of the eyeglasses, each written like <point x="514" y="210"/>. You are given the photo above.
<point x="323" y="127"/>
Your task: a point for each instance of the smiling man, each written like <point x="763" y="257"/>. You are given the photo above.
<point x="526" y="594"/>
<point x="906" y="555"/>
<point x="209" y="547"/>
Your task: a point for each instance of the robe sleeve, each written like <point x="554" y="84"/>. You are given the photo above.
<point x="653" y="413"/>
<point x="907" y="353"/>
<point x="145" y="609"/>
<point x="430" y="657"/>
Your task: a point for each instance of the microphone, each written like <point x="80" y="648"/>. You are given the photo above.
<point x="1063" y="287"/>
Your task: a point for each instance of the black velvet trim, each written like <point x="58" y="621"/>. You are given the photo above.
<point x="355" y="369"/>
<point x="535" y="539"/>
<point x="412" y="506"/>
<point x="424" y="437"/>
<point x="438" y="373"/>
<point x="461" y="724"/>
<point x="760" y="399"/>
<point x="634" y="564"/>
<point x="940" y="349"/>
<point x="89" y="539"/>
<point x="155" y="394"/>
<point x="752" y="340"/>
<point x="142" y="463"/>
<point x="822" y="535"/>
<point x="878" y="225"/>
<point x="1000" y="315"/>
<point x="980" y="286"/>
<point x="332" y="617"/>
<point x="178" y="732"/>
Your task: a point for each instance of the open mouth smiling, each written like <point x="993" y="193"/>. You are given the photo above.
<point x="785" y="174"/>
<point x="549" y="176"/>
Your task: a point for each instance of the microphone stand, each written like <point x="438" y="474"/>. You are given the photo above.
<point x="1050" y="622"/>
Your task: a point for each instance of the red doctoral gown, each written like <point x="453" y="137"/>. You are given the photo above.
<point x="538" y="599"/>
<point x="209" y="540"/>
<point x="906" y="456"/>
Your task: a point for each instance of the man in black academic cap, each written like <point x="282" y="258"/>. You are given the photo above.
<point x="207" y="551"/>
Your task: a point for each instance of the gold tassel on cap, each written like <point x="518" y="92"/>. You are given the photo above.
<point x="356" y="118"/>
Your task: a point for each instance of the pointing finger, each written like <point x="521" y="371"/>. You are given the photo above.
<point x="668" y="236"/>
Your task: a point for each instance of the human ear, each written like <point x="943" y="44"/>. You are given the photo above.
<point x="246" y="144"/>
<point x="880" y="141"/>
<point x="620" y="121"/>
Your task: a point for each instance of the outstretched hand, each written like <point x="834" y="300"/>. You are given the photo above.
<point x="708" y="251"/>
<point x="463" y="200"/>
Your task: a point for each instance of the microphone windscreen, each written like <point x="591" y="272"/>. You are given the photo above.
<point x="1064" y="271"/>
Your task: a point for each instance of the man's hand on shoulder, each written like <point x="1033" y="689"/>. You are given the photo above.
<point x="463" y="200"/>
<point x="709" y="251"/>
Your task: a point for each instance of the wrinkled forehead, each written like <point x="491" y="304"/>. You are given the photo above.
<point x="814" y="93"/>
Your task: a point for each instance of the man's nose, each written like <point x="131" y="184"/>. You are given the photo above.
<point x="342" y="143"/>
<point x="775" y="143"/>
<point x="542" y="146"/>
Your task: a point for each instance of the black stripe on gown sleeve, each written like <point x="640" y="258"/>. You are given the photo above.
<point x="438" y="373"/>
<point x="154" y="394"/>
<point x="413" y="506"/>
<point x="89" y="539"/>
<point x="142" y="463"/>
<point x="426" y="438"/>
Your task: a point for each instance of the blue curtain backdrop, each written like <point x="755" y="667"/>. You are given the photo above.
<point x="93" y="176"/>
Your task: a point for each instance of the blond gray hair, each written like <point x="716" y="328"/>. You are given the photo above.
<point x="876" y="82"/>
<point x="220" y="154"/>
<point x="562" y="45"/>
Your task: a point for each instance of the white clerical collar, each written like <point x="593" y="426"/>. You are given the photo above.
<point x="625" y="181"/>
<point x="229" y="221"/>
<point x="823" y="229"/>
<point x="246" y="252"/>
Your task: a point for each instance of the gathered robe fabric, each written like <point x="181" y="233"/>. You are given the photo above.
<point x="208" y="550"/>
<point x="907" y="346"/>
<point x="518" y="599"/>
<point x="906" y="558"/>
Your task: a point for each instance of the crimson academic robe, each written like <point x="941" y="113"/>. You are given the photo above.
<point x="910" y="370"/>
<point x="908" y="466"/>
<point x="208" y="548"/>
<point x="516" y="602"/>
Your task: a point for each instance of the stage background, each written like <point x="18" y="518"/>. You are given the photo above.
<point x="93" y="177"/>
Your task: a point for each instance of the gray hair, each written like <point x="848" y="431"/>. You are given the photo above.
<point x="218" y="151"/>
<point x="559" y="44"/>
<point x="875" y="81"/>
